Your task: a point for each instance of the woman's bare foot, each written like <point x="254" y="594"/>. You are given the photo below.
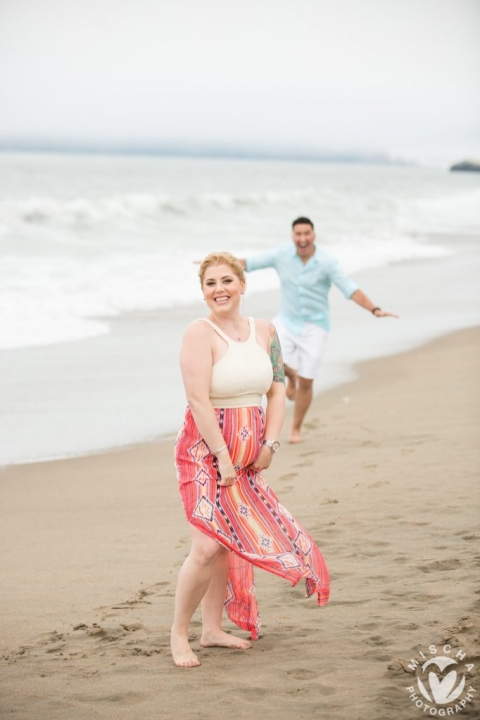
<point x="223" y="639"/>
<point x="295" y="437"/>
<point x="182" y="653"/>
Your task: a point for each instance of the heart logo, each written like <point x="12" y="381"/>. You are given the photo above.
<point x="443" y="690"/>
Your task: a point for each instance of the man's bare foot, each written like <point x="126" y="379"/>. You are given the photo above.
<point x="295" y="437"/>
<point x="182" y="653"/>
<point x="291" y="387"/>
<point x="223" y="639"/>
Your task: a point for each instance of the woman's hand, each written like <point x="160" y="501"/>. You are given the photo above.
<point x="263" y="460"/>
<point x="226" y="469"/>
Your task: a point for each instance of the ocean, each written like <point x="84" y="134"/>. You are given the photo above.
<point x="98" y="276"/>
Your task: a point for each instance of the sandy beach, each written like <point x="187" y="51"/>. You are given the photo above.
<point x="386" y="482"/>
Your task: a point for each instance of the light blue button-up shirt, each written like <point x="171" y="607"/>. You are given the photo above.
<point x="304" y="288"/>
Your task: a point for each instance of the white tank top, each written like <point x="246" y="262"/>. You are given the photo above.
<point x="243" y="374"/>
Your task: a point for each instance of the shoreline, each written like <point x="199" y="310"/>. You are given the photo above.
<point x="386" y="482"/>
<point x="123" y="389"/>
<point x="349" y="374"/>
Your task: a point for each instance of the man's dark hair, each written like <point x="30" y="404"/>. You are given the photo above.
<point x="302" y="221"/>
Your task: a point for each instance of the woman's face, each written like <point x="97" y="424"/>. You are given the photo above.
<point x="222" y="289"/>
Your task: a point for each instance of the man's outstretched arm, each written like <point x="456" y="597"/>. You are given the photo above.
<point x="361" y="299"/>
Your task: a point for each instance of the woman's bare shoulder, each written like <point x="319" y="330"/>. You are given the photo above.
<point x="198" y="330"/>
<point x="264" y="329"/>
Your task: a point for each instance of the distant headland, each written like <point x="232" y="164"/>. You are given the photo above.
<point x="466" y="166"/>
<point x="197" y="150"/>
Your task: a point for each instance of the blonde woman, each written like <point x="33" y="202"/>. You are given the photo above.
<point x="229" y="362"/>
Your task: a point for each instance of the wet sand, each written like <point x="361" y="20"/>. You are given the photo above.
<point x="386" y="482"/>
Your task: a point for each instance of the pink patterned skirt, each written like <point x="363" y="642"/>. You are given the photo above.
<point x="247" y="518"/>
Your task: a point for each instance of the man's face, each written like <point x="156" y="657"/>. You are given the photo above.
<point x="304" y="239"/>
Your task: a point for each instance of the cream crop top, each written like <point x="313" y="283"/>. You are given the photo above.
<point x="243" y="374"/>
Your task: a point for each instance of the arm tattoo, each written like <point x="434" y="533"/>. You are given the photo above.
<point x="276" y="357"/>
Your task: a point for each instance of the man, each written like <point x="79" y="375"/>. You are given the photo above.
<point x="306" y="274"/>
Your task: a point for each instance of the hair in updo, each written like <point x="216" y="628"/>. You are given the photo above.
<point x="222" y="258"/>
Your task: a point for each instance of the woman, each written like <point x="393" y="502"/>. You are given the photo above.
<point x="228" y="362"/>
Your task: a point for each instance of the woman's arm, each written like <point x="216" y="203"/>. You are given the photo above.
<point x="196" y="366"/>
<point x="275" y="410"/>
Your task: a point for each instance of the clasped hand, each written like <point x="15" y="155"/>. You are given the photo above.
<point x="228" y="476"/>
<point x="227" y="471"/>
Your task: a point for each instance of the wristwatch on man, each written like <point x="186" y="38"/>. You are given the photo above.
<point x="274" y="445"/>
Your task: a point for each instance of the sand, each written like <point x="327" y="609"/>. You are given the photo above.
<point x="386" y="482"/>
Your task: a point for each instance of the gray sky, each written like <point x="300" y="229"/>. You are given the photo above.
<point x="401" y="76"/>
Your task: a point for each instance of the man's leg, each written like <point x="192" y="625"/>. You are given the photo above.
<point x="288" y="346"/>
<point x="291" y="376"/>
<point x="310" y="347"/>
<point x="303" y="399"/>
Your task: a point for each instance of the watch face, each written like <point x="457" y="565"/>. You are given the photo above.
<point x="274" y="445"/>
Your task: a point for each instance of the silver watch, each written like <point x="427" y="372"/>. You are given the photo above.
<point x="274" y="445"/>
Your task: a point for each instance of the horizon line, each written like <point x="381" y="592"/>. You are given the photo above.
<point x="199" y="151"/>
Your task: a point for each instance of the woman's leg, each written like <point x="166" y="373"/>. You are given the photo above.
<point x="212" y="608"/>
<point x="192" y="584"/>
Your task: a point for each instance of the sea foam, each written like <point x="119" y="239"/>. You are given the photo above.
<point x="72" y="262"/>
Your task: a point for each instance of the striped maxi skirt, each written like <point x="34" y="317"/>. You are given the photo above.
<point x="247" y="518"/>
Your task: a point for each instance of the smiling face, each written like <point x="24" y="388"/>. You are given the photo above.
<point x="222" y="288"/>
<point x="304" y="239"/>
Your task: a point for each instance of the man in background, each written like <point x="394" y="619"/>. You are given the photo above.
<point x="306" y="275"/>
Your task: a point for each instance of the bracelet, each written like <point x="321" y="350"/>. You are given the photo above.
<point x="224" y="447"/>
<point x="374" y="309"/>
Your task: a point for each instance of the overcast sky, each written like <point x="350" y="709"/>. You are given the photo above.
<point x="401" y="76"/>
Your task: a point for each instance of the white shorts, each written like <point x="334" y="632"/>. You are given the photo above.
<point x="302" y="352"/>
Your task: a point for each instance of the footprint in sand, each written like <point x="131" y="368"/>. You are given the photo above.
<point x="378" y="484"/>
<point x="144" y="652"/>
<point x="302" y="674"/>
<point x="426" y="597"/>
<point x="290" y="476"/>
<point x="126" y="698"/>
<point x="418" y="439"/>
<point x="109" y="632"/>
<point x="252" y="693"/>
<point x="379" y="640"/>
<point x="440" y="566"/>
<point x="368" y="626"/>
<point x="405" y="626"/>
<point x="400" y="665"/>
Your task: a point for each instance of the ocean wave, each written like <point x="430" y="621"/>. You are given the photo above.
<point x="458" y="212"/>
<point x="144" y="213"/>
<point x="136" y="209"/>
<point x="53" y="299"/>
<point x="71" y="265"/>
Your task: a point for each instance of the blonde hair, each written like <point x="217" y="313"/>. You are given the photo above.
<point x="221" y="258"/>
